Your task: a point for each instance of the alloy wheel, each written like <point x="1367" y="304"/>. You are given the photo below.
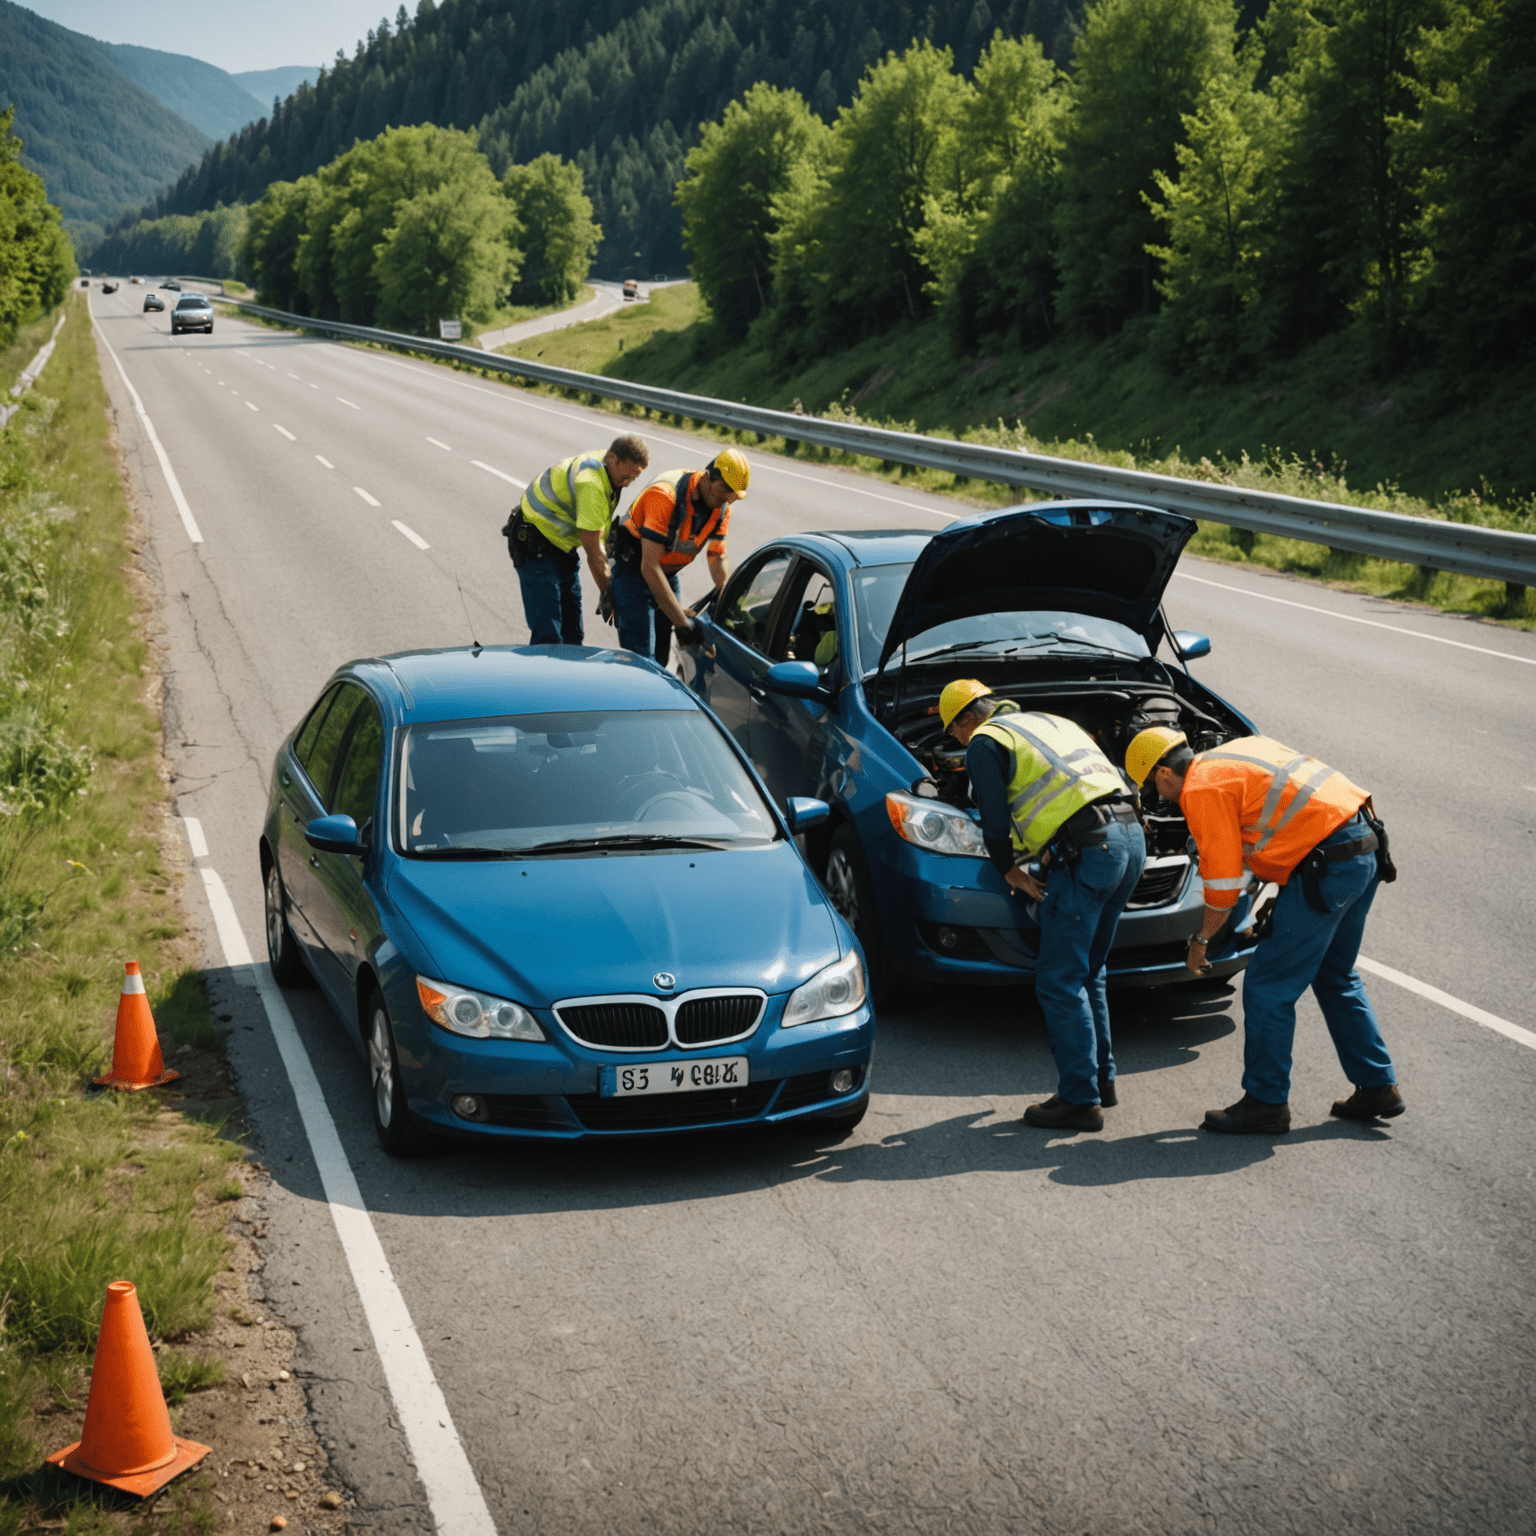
<point x="381" y="1067"/>
<point x="842" y="888"/>
<point x="274" y="914"/>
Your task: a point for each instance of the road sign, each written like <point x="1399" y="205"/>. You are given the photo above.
<point x="450" y="330"/>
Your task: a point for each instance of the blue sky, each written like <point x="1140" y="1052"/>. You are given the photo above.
<point x="260" y="35"/>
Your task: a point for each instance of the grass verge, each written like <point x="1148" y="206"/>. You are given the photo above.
<point x="93" y="1187"/>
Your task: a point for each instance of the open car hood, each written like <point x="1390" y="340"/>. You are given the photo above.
<point x="1105" y="558"/>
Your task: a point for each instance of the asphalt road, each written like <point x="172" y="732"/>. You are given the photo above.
<point x="950" y="1322"/>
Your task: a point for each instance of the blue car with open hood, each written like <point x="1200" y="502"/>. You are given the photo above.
<point x="825" y="654"/>
<point x="549" y="898"/>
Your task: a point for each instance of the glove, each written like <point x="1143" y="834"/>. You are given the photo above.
<point x="689" y="636"/>
<point x="605" y="606"/>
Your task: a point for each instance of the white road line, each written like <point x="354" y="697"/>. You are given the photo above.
<point x="773" y="465"/>
<point x="286" y="433"/>
<point x="187" y="520"/>
<point x="295" y="376"/>
<point x="364" y="494"/>
<point x="522" y="485"/>
<point x="314" y="386"/>
<point x="1454" y="1004"/>
<point x="348" y="402"/>
<point x="195" y="839"/>
<point x="1349" y="618"/>
<point x="325" y="461"/>
<point x="251" y="407"/>
<point x="412" y="535"/>
<point x="453" y="1495"/>
<point x="436" y="444"/>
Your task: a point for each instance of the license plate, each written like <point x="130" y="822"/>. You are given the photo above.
<point x="674" y="1076"/>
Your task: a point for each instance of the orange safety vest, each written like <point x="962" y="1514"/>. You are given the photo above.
<point x="1255" y="805"/>
<point x="672" y="497"/>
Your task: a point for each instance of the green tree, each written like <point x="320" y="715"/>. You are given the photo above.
<point x="1140" y="67"/>
<point x="559" y="235"/>
<point x="735" y="173"/>
<point x="446" y="256"/>
<point x="37" y="261"/>
<point x="271" y="250"/>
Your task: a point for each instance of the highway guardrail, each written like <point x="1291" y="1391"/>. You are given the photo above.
<point x="1467" y="548"/>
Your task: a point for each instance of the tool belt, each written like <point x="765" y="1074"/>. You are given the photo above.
<point x="525" y="542"/>
<point x="1314" y="864"/>
<point x="625" y="547"/>
<point x="1088" y="828"/>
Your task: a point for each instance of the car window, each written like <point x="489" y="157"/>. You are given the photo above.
<point x="330" y="736"/>
<point x="304" y="742"/>
<point x="748" y="609"/>
<point x="359" y="777"/>
<point x="519" y="782"/>
<point x="807" y="627"/>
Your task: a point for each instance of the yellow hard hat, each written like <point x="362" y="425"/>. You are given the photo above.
<point x="1149" y="748"/>
<point x="957" y="695"/>
<point x="731" y="465"/>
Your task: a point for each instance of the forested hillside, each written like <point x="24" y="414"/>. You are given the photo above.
<point x="620" y="87"/>
<point x="100" y="142"/>
<point x="213" y="101"/>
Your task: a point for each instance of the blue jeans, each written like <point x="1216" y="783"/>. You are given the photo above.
<point x="643" y="628"/>
<point x="1078" y="917"/>
<point x="552" y="599"/>
<point x="1308" y="948"/>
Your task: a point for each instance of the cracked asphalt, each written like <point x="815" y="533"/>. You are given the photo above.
<point x="949" y="1322"/>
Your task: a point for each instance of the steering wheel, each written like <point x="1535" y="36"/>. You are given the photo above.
<point x="637" y="792"/>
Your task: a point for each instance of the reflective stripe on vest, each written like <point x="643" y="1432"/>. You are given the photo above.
<point x="1282" y="775"/>
<point x="551" y="500"/>
<point x="1057" y="770"/>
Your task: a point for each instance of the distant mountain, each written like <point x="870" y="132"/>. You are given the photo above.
<point x="211" y="100"/>
<point x="264" y="84"/>
<point x="99" y="141"/>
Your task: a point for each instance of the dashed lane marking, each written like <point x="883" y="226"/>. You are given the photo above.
<point x="411" y="534"/>
<point x="251" y="407"/>
<point x="1349" y="618"/>
<point x="286" y="433"/>
<point x="1467" y="1010"/>
<point x="348" y="402"/>
<point x="364" y="494"/>
<point x="436" y="444"/>
<point x="522" y="485"/>
<point x="325" y="461"/>
<point x="295" y="376"/>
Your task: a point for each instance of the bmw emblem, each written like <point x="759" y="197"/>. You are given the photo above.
<point x="664" y="981"/>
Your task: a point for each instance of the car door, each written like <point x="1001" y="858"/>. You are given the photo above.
<point x="345" y="916"/>
<point x="732" y="659"/>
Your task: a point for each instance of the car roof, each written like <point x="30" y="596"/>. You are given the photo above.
<point x="465" y="683"/>
<point x="865" y="546"/>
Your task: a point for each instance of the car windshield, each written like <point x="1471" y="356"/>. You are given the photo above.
<point x="877" y="589"/>
<point x="521" y="784"/>
<point x="191" y="302"/>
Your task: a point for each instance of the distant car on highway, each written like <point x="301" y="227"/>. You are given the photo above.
<point x="152" y="300"/>
<point x="171" y="283"/>
<point x="549" y="899"/>
<point x="193" y="312"/>
<point x="109" y="287"/>
<point x="138" y="280"/>
<point x="825" y="655"/>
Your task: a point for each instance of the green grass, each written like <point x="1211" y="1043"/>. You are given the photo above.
<point x="181" y="1373"/>
<point x="94" y="1186"/>
<point x="22" y="350"/>
<point x="515" y="314"/>
<point x="1112" y="405"/>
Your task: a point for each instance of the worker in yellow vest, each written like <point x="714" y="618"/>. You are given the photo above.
<point x="570" y="504"/>
<point x="1046" y="792"/>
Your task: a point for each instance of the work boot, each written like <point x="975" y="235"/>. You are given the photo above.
<point x="1059" y="1114"/>
<point x="1249" y="1116"/>
<point x="1371" y="1104"/>
<point x="1108" y="1098"/>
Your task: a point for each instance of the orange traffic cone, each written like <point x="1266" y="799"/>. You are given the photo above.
<point x="127" y="1441"/>
<point x="136" y="1059"/>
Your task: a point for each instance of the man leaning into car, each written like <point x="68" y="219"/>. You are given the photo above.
<point x="1044" y="789"/>
<point x="570" y="504"/>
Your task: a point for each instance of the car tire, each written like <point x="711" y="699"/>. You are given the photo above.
<point x="397" y="1132"/>
<point x="853" y="894"/>
<point x="283" y="952"/>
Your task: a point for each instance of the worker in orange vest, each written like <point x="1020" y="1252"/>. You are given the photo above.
<point x="1259" y="811"/>
<point x="680" y="515"/>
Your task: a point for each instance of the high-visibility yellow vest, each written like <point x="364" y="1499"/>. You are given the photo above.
<point x="1057" y="770"/>
<point x="550" y="502"/>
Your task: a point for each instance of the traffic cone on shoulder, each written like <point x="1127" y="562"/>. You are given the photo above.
<point x="136" y="1059"/>
<point x="127" y="1441"/>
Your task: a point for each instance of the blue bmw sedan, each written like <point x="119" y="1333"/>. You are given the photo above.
<point x="825" y="655"/>
<point x="549" y="898"/>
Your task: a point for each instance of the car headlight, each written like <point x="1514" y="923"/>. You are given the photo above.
<point x="834" y="990"/>
<point x="933" y="825"/>
<point x="476" y="1014"/>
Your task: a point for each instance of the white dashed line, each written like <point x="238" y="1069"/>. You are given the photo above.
<point x="411" y="534"/>
<point x="286" y="433"/>
<point x="436" y="444"/>
<point x="295" y="376"/>
<point x="522" y="485"/>
<point x="1454" y="1004"/>
<point x="314" y="386"/>
<point x="251" y="407"/>
<point x="348" y="402"/>
<point x="364" y="494"/>
<point x="320" y="459"/>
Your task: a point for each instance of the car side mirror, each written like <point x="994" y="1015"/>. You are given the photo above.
<point x="803" y="813"/>
<point x="1190" y="646"/>
<point x="797" y="679"/>
<point x="333" y="834"/>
